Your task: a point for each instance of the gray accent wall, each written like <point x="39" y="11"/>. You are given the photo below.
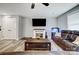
<point x="62" y="22"/>
<point x="62" y="19"/>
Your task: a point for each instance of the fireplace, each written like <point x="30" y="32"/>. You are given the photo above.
<point x="39" y="33"/>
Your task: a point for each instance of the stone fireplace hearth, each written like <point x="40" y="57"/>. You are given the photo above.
<point x="39" y="33"/>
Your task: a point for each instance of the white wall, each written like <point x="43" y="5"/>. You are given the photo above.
<point x="51" y="22"/>
<point x="62" y="22"/>
<point x="27" y="28"/>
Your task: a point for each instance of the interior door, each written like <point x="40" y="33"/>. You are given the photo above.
<point x="9" y="28"/>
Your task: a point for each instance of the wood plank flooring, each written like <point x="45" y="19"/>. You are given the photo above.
<point x="16" y="47"/>
<point x="11" y="45"/>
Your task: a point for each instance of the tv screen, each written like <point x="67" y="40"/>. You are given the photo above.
<point x="39" y="22"/>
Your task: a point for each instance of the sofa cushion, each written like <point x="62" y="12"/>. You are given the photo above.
<point x="76" y="41"/>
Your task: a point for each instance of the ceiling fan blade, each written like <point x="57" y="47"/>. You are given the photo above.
<point x="46" y="4"/>
<point x="33" y="5"/>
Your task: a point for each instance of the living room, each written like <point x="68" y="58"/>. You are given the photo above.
<point x="18" y="24"/>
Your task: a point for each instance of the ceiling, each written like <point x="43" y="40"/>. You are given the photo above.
<point x="24" y="9"/>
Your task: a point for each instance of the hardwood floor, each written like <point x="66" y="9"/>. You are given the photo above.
<point x="11" y="45"/>
<point x="16" y="47"/>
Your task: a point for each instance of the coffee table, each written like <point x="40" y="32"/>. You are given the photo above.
<point x="35" y="44"/>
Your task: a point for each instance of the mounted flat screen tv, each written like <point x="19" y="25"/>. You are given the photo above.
<point x="38" y="22"/>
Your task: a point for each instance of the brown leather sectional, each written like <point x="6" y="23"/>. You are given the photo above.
<point x="66" y="39"/>
<point x="65" y="45"/>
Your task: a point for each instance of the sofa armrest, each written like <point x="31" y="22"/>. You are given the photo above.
<point x="65" y="45"/>
<point x="71" y="45"/>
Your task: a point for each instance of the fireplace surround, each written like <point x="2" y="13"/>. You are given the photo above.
<point x="38" y="33"/>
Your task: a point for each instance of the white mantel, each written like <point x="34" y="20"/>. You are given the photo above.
<point x="38" y="31"/>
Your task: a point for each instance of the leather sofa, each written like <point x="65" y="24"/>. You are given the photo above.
<point x="66" y="40"/>
<point x="65" y="45"/>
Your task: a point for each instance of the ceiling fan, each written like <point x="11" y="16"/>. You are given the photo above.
<point x="33" y="5"/>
